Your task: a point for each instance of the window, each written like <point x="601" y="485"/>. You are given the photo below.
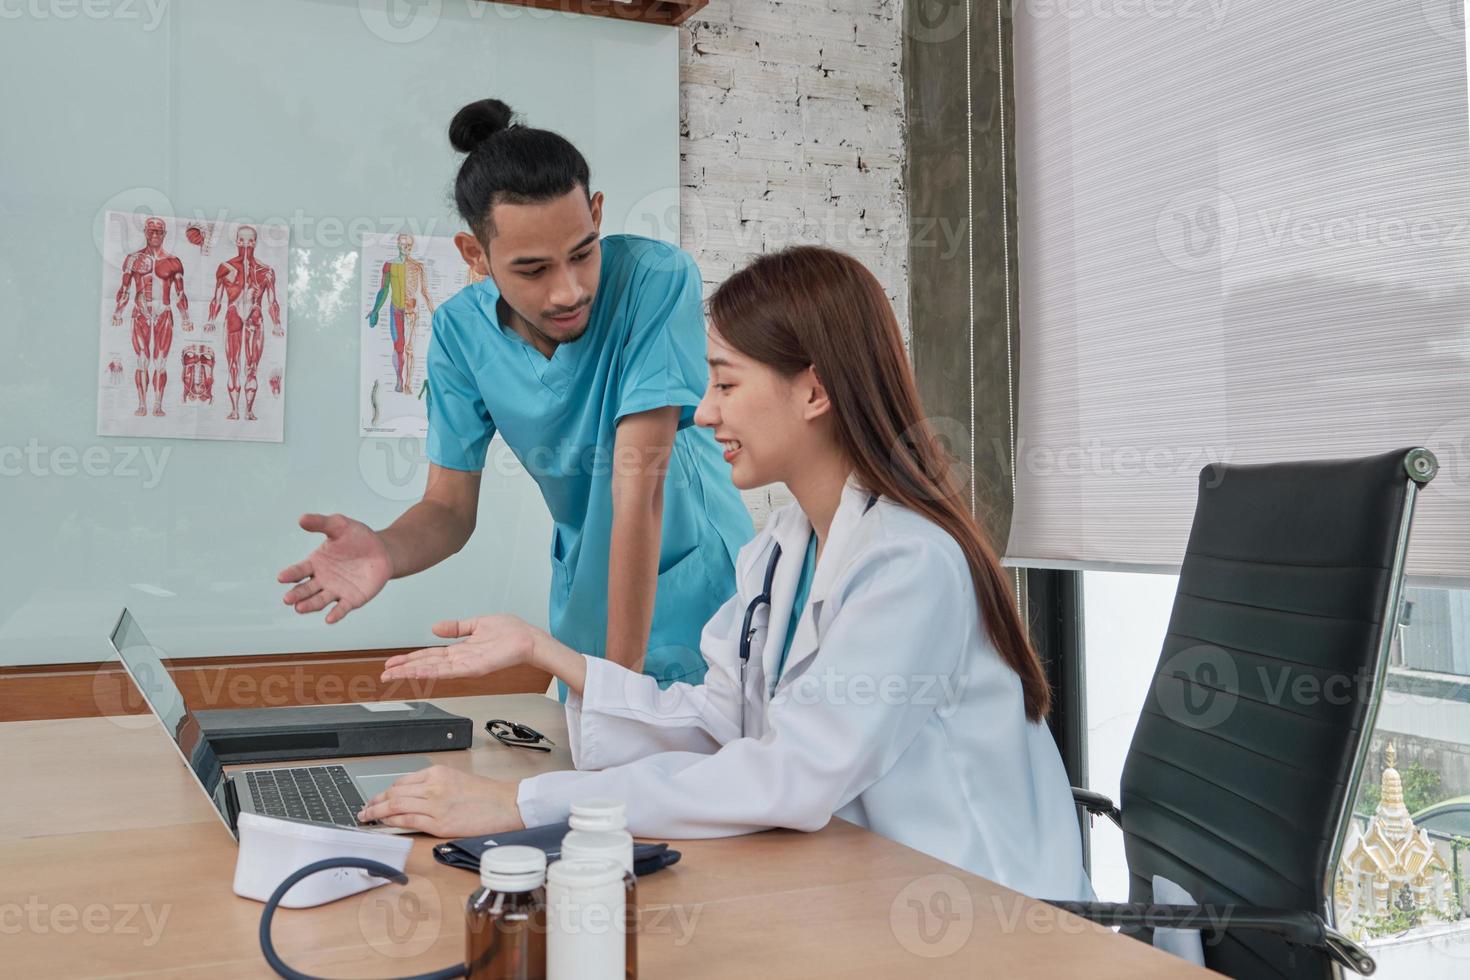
<point x="1125" y="616"/>
<point x="1424" y="716"/>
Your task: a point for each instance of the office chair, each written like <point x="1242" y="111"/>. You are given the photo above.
<point x="1239" y="782"/>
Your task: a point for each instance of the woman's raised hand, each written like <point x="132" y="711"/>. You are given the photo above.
<point x="486" y="644"/>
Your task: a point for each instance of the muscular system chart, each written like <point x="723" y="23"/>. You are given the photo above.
<point x="193" y="319"/>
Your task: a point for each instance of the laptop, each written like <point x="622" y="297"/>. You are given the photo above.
<point x="329" y="794"/>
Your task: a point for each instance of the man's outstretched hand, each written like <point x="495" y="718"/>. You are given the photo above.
<point x="345" y="571"/>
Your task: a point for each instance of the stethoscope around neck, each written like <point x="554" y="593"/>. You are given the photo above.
<point x="747" y="628"/>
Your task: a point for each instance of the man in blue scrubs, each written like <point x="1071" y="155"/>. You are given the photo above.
<point x="587" y="355"/>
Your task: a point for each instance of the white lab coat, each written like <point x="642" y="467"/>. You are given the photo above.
<point x="894" y="712"/>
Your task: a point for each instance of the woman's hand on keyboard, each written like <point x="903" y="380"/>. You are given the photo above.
<point x="447" y="802"/>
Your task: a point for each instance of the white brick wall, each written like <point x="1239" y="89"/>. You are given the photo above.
<point x="791" y="118"/>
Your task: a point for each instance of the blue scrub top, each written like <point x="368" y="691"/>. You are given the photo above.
<point x="798" y="603"/>
<point x="644" y="349"/>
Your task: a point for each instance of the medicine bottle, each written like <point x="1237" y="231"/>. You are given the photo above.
<point x="600" y="830"/>
<point x="585" y="920"/>
<point x="505" y="919"/>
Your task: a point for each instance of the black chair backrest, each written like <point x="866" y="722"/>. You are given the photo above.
<point x="1253" y="733"/>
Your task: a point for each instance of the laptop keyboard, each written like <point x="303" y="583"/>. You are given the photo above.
<point x="324" y="794"/>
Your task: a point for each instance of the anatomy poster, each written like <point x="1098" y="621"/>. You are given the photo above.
<point x="404" y="279"/>
<point x="193" y="329"/>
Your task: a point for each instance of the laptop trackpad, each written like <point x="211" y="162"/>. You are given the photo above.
<point x="372" y="776"/>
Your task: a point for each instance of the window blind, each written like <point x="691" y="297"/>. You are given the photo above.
<point x="1244" y="233"/>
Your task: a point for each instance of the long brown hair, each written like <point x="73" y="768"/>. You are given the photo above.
<point x="815" y="307"/>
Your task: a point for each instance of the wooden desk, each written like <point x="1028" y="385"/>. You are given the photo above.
<point x="112" y="864"/>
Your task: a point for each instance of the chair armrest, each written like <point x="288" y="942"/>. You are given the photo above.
<point x="1293" y="926"/>
<point x="1097" y="804"/>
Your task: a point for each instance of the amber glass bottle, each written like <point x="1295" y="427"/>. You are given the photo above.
<point x="505" y="919"/>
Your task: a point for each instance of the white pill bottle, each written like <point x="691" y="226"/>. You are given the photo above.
<point x="600" y="830"/>
<point x="586" y="913"/>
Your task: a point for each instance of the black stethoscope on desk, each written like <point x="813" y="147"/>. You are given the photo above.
<point x="375" y="868"/>
<point x="747" y="628"/>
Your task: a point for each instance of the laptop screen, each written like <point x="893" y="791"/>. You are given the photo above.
<point x="144" y="664"/>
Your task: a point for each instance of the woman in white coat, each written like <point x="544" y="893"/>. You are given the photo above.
<point x="889" y="680"/>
